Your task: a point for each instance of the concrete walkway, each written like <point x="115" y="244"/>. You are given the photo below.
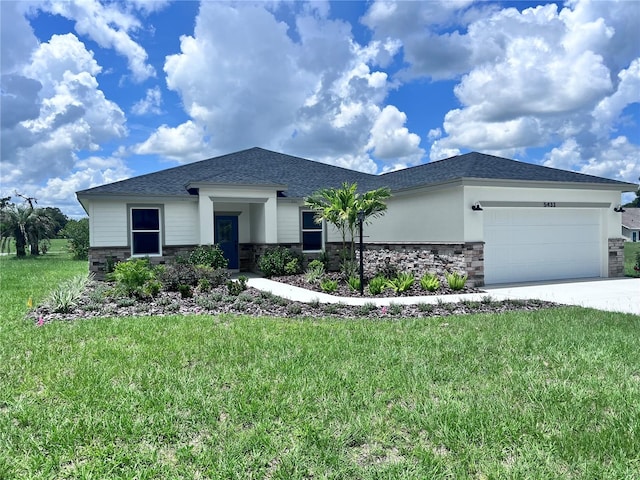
<point x="617" y="295"/>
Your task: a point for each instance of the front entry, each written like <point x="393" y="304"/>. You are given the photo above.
<point x="226" y="236"/>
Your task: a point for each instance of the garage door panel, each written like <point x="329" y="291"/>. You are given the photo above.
<point x="524" y="244"/>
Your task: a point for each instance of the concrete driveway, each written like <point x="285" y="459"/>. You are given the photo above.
<point x="611" y="294"/>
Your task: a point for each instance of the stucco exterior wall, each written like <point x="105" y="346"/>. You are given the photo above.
<point x="420" y="216"/>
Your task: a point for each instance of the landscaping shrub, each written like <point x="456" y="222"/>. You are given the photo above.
<point x="456" y="280"/>
<point x="235" y="288"/>
<point x="328" y="285"/>
<point x="401" y="283"/>
<point x="63" y="299"/>
<point x="354" y="283"/>
<point x="315" y="270"/>
<point x="185" y="291"/>
<point x="276" y="261"/>
<point x="377" y="285"/>
<point x="429" y="282"/>
<point x="292" y="267"/>
<point x="349" y="269"/>
<point x="208" y="255"/>
<point x="131" y="276"/>
<point x="176" y="274"/>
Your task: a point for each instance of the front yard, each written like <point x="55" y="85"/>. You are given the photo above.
<point x="527" y="394"/>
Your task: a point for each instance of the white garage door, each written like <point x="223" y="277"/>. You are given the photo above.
<point x="529" y="244"/>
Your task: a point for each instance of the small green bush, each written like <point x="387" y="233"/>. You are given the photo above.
<point x="315" y="270"/>
<point x="276" y="261"/>
<point x="354" y="283"/>
<point x="377" y="285"/>
<point x="325" y="259"/>
<point x="185" y="291"/>
<point x="208" y="255"/>
<point x="292" y="267"/>
<point x="235" y="288"/>
<point x="64" y="298"/>
<point x="294" y="309"/>
<point x="367" y="308"/>
<point x="429" y="282"/>
<point x="131" y="276"/>
<point x="176" y="274"/>
<point x="456" y="280"/>
<point x="328" y="285"/>
<point x="401" y="283"/>
<point x="395" y="309"/>
<point x="349" y="268"/>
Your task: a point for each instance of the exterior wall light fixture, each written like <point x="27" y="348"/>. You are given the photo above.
<point x="476" y="207"/>
<point x="618" y="209"/>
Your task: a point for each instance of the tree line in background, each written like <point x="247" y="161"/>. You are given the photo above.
<point x="25" y="226"/>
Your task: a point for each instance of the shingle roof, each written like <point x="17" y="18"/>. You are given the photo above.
<point x="482" y="166"/>
<point x="631" y="218"/>
<point x="302" y="177"/>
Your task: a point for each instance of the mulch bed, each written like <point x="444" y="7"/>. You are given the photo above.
<point x="100" y="302"/>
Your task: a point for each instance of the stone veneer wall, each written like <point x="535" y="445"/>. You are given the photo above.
<point x="102" y="259"/>
<point x="417" y="258"/>
<point x="420" y="258"/>
<point x="616" y="257"/>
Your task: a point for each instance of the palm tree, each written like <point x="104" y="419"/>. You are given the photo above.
<point x="340" y="207"/>
<point x="26" y="225"/>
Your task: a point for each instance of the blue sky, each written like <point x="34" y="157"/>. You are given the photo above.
<point x="94" y="92"/>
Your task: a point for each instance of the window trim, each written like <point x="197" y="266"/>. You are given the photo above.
<point x="159" y="231"/>
<point x="303" y="230"/>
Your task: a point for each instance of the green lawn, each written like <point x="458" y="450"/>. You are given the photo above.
<point x="631" y="249"/>
<point x="547" y="394"/>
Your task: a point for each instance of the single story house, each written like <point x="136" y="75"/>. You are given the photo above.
<point x="497" y="219"/>
<point x="631" y="224"/>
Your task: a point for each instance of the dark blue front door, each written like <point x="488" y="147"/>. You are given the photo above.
<point x="226" y="236"/>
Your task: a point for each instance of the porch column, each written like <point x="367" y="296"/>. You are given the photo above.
<point x="271" y="220"/>
<point x="205" y="213"/>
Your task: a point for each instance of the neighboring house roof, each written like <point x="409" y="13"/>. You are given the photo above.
<point x="631" y="218"/>
<point x="302" y="177"/>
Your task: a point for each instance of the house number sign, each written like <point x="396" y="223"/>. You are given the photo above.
<point x="549" y="204"/>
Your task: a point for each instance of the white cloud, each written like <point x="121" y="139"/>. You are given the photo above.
<point x="608" y="110"/>
<point x="615" y="158"/>
<point x="184" y="143"/>
<point x="540" y="77"/>
<point x="149" y="104"/>
<point x="92" y="171"/>
<point x="316" y="94"/>
<point x="110" y="26"/>
<point x="63" y="112"/>
<point x="391" y="140"/>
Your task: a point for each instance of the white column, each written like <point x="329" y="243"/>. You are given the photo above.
<point x="205" y="210"/>
<point x="271" y="220"/>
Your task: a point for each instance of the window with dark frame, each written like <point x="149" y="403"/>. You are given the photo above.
<point x="311" y="233"/>
<point x="145" y="231"/>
